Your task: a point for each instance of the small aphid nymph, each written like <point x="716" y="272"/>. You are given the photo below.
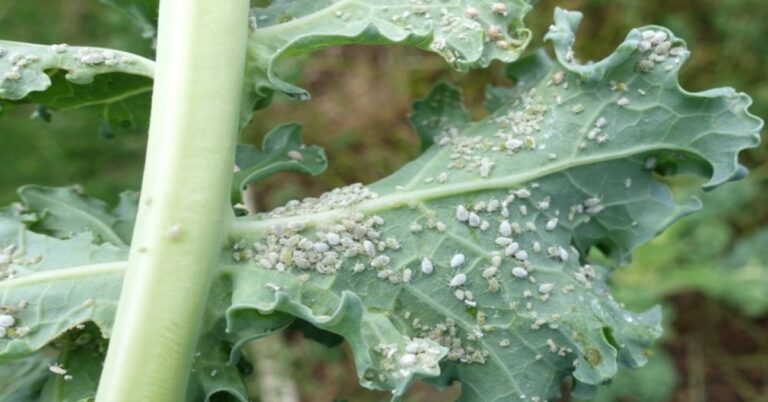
<point x="458" y="260"/>
<point x="426" y="266"/>
<point x="457" y="280"/>
<point x="462" y="214"/>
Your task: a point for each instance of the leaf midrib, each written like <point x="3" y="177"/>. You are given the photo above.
<point x="249" y="226"/>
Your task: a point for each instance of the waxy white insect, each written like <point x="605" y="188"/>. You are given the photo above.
<point x="546" y="288"/>
<point x="511" y="248"/>
<point x="457" y="280"/>
<point x="519" y="272"/>
<point x="499" y="8"/>
<point x="551" y="224"/>
<point x="332" y="238"/>
<point x="6" y="320"/>
<point x="505" y="229"/>
<point x="472" y="12"/>
<point x="408" y="360"/>
<point x="462" y="214"/>
<point x="458" y="260"/>
<point x="474" y="220"/>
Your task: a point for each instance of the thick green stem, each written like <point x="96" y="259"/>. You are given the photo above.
<point x="185" y="199"/>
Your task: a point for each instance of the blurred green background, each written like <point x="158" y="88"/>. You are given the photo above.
<point x="709" y="271"/>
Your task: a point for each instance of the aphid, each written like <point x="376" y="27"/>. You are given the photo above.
<point x="332" y="238"/>
<point x="472" y="12"/>
<point x="12" y="75"/>
<point x="505" y="229"/>
<point x="320" y="247"/>
<point x="462" y="214"/>
<point x="490" y="272"/>
<point x="457" y="280"/>
<point x="499" y="8"/>
<point x="558" y="77"/>
<point x="408" y="360"/>
<point x="601" y="122"/>
<point x="513" y="144"/>
<point x="592" y="201"/>
<point x="502" y="44"/>
<point x="426" y="266"/>
<point x="577" y="109"/>
<point x="623" y="102"/>
<point x="407" y="275"/>
<point x="484" y="225"/>
<point x="493" y="32"/>
<point x="174" y="232"/>
<point x="369" y="248"/>
<point x="295" y="155"/>
<point x="644" y="46"/>
<point x="358" y="268"/>
<point x="511" y="249"/>
<point x="6" y="320"/>
<point x="458" y="260"/>
<point x="503" y="241"/>
<point x="546" y="288"/>
<point x="521" y="255"/>
<point x="474" y="220"/>
<point x="380" y="261"/>
<point x="523" y="193"/>
<point x="519" y="272"/>
<point x="57" y="369"/>
<point x="551" y="224"/>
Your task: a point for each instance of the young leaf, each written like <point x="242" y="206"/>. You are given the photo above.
<point x="63" y="77"/>
<point x="282" y="151"/>
<point x="466" y="33"/>
<point x="482" y="244"/>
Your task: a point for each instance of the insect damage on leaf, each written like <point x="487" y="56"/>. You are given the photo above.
<point x="482" y="244"/>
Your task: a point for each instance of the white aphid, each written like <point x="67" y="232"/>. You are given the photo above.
<point x="369" y="248"/>
<point x="519" y="272"/>
<point x="474" y="220"/>
<point x="511" y="248"/>
<point x="623" y="102"/>
<point x="426" y="266"/>
<point x="521" y="255"/>
<point x="332" y="238"/>
<point x="505" y="229"/>
<point x="295" y="155"/>
<point x="407" y="275"/>
<point x="499" y="8"/>
<point x="601" y="122"/>
<point x="174" y="232"/>
<point x="503" y="241"/>
<point x="551" y="224"/>
<point x="546" y="288"/>
<point x="320" y="247"/>
<point x="6" y="320"/>
<point x="57" y="369"/>
<point x="408" y="360"/>
<point x="458" y="260"/>
<point x="457" y="280"/>
<point x="592" y="201"/>
<point x="472" y="12"/>
<point x="462" y="214"/>
<point x="513" y="144"/>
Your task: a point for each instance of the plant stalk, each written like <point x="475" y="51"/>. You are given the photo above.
<point x="184" y="210"/>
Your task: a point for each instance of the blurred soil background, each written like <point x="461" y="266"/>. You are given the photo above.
<point x="709" y="271"/>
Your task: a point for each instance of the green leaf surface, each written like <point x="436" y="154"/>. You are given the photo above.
<point x="64" y="212"/>
<point x="569" y="161"/>
<point x="441" y="113"/>
<point x="532" y="177"/>
<point x="281" y="151"/>
<point x="144" y="14"/>
<point x="62" y="77"/>
<point x="467" y="33"/>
